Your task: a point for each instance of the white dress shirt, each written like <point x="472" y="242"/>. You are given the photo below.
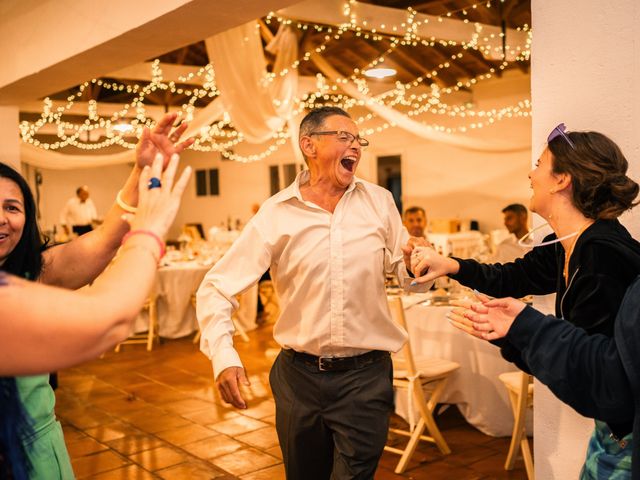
<point x="328" y="271"/>
<point x="76" y="212"/>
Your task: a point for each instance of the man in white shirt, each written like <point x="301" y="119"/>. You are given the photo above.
<point x="329" y="238"/>
<point x="79" y="213"/>
<point x="516" y="222"/>
<point x="415" y="219"/>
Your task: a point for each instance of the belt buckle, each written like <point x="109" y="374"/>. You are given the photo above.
<point x="321" y="364"/>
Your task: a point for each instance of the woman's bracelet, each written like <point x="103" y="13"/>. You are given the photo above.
<point x="149" y="233"/>
<point x="124" y="206"/>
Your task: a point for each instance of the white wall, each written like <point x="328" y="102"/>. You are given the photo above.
<point x="9" y="140"/>
<point x="585" y="72"/>
<point x="453" y="182"/>
<point x="60" y="185"/>
<point x="447" y="181"/>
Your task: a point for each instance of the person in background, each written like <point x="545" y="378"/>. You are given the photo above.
<point x="71" y="265"/>
<point x="79" y="213"/>
<point x="516" y="222"/>
<point x="580" y="186"/>
<point x="415" y="219"/>
<point x="321" y="236"/>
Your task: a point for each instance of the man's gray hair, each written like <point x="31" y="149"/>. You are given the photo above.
<point x="316" y="117"/>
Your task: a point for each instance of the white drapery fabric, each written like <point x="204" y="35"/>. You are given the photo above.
<point x="258" y="106"/>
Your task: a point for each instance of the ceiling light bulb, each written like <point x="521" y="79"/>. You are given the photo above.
<point x="380" y="72"/>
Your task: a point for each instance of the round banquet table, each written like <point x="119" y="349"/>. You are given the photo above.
<point x="174" y="286"/>
<point x="474" y="387"/>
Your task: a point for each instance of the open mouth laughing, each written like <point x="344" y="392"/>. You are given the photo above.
<point x="349" y="163"/>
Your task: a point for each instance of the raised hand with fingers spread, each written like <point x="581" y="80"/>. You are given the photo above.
<point x="159" y="201"/>
<point x="161" y="139"/>
<point x="489" y="320"/>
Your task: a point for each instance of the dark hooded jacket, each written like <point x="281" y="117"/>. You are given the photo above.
<point x="605" y="261"/>
<point x="597" y="375"/>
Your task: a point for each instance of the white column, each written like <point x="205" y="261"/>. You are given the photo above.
<point x="9" y="139"/>
<point x="585" y="72"/>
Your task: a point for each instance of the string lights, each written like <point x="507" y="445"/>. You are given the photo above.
<point x="123" y="126"/>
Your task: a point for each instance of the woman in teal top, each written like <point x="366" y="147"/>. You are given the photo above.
<point x="71" y="265"/>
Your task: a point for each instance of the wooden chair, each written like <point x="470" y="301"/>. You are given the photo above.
<point x="151" y="334"/>
<point x="412" y="375"/>
<point x="520" y="388"/>
<point x="234" y="318"/>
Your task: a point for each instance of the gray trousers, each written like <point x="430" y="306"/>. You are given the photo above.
<point x="331" y="425"/>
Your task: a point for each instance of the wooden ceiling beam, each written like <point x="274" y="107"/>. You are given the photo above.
<point x="488" y="64"/>
<point x="437" y="50"/>
<point x="420" y="68"/>
<point x="266" y="34"/>
<point x="507" y="7"/>
<point x="432" y="3"/>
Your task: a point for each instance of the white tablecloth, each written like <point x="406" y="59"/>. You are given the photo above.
<point x="175" y="284"/>
<point x="474" y="387"/>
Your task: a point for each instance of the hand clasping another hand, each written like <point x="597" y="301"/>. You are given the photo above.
<point x="488" y="319"/>
<point x="427" y="265"/>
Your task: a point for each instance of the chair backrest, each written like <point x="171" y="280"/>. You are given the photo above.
<point x="525" y="394"/>
<point x="397" y="312"/>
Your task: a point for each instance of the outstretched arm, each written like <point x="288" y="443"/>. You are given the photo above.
<point x="584" y="371"/>
<point x="44" y="328"/>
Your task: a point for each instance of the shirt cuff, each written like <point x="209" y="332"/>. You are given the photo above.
<point x="223" y="359"/>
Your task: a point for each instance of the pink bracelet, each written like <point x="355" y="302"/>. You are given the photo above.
<point x="146" y="232"/>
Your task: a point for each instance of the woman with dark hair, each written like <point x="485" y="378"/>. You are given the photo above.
<point x="44" y="327"/>
<point x="21" y="254"/>
<point x="580" y="186"/>
<point x="72" y="266"/>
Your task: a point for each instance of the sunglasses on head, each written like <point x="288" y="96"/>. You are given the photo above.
<point x="559" y="132"/>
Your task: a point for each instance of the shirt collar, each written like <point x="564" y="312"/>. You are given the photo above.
<point x="293" y="190"/>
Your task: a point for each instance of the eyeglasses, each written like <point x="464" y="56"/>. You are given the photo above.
<point x="345" y="137"/>
<point x="559" y="132"/>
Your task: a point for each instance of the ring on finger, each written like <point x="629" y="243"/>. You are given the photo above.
<point x="154" y="182"/>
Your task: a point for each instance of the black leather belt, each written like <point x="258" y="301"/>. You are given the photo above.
<point x="337" y="364"/>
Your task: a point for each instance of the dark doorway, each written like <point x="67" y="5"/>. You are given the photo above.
<point x="390" y="177"/>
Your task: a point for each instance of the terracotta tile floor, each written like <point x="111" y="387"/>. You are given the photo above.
<point x="151" y="415"/>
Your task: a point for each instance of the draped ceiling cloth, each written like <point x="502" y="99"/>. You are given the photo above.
<point x="260" y="106"/>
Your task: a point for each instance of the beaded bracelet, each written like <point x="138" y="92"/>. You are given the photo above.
<point x="124" y="206"/>
<point x="146" y="232"/>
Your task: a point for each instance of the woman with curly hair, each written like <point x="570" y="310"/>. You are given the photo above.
<point x="580" y="186"/>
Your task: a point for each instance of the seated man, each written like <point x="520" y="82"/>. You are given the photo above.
<point x="515" y="220"/>
<point x="415" y="220"/>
